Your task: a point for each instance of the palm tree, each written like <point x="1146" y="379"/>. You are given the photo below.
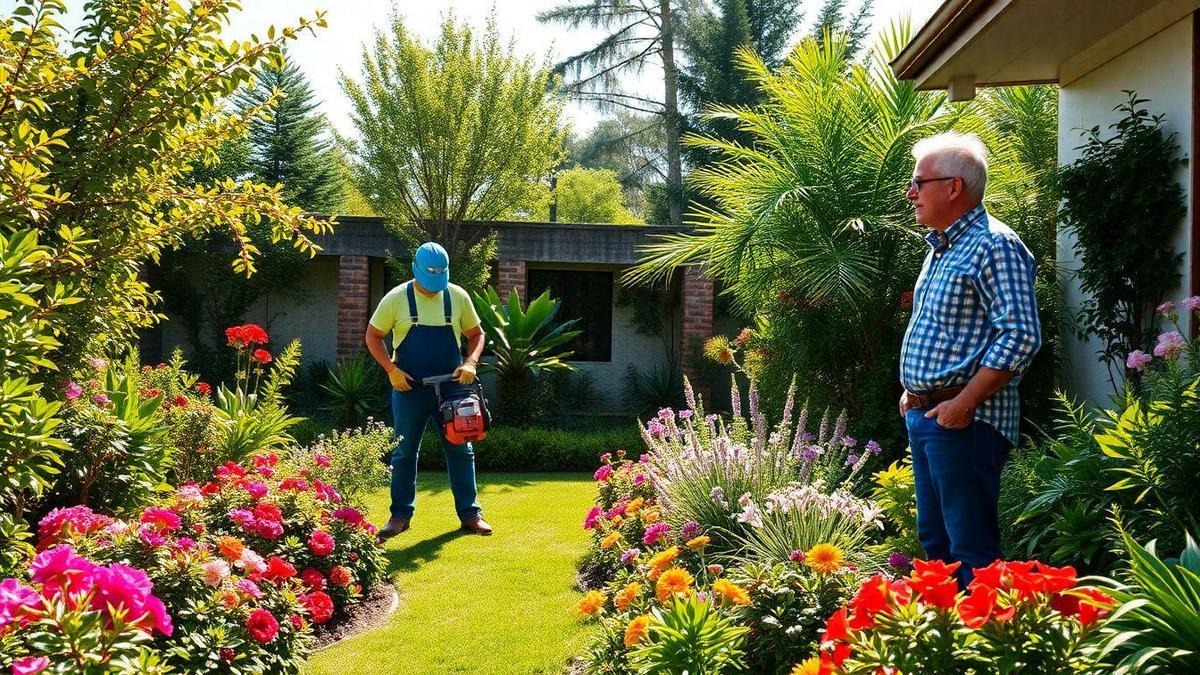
<point x="638" y="31"/>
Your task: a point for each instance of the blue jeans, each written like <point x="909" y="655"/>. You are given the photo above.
<point x="957" y="476"/>
<point x="411" y="412"/>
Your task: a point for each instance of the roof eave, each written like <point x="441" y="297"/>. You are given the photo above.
<point x="942" y="28"/>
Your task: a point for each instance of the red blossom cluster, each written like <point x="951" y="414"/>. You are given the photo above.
<point x="245" y="335"/>
<point x="997" y="593"/>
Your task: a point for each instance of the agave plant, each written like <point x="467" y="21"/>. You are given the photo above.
<point x="524" y="342"/>
<point x="1157" y="628"/>
<point x="356" y="389"/>
<point x="691" y="636"/>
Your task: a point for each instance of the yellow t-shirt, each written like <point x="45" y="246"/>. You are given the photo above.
<point x="392" y="313"/>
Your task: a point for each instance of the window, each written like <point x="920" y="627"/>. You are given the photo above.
<point x="586" y="296"/>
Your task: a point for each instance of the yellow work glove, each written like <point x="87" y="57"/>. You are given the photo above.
<point x="465" y="374"/>
<point x="401" y="381"/>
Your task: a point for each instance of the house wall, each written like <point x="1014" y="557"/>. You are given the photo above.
<point x="1159" y="69"/>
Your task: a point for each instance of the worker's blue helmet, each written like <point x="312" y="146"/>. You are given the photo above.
<point x="431" y="267"/>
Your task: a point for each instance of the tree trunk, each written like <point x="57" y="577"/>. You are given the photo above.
<point x="671" y="117"/>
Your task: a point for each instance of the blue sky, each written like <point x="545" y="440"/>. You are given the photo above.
<point x="351" y="22"/>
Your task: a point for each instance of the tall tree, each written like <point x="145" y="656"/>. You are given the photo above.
<point x="630" y="144"/>
<point x="638" y="31"/>
<point x="835" y="16"/>
<point x="292" y="144"/>
<point x="451" y="137"/>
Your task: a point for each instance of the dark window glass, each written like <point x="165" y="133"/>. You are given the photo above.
<point x="586" y="296"/>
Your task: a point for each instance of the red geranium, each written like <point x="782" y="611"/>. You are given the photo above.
<point x="268" y="511"/>
<point x="181" y="401"/>
<point x="320" y="543"/>
<point x="248" y="334"/>
<point x="319" y="605"/>
<point x="340" y="576"/>
<point x="935" y="581"/>
<point x="262" y="625"/>
<point x="262" y="356"/>
<point x="977" y="608"/>
<point x="204" y="388"/>
<point x="313" y="579"/>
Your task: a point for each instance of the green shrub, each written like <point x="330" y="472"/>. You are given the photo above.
<point x="894" y="492"/>
<point x="690" y="636"/>
<point x="533" y="449"/>
<point x="349" y="460"/>
<point x="356" y="389"/>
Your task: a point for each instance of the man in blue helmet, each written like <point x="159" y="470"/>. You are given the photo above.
<point x="427" y="317"/>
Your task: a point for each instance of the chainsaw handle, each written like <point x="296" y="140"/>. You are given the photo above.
<point x="437" y="379"/>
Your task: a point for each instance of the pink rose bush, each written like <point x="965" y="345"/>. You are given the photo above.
<point x="1170" y="345"/>
<point x="264" y="551"/>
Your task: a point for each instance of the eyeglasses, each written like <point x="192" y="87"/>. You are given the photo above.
<point x="916" y="183"/>
<point x="435" y="270"/>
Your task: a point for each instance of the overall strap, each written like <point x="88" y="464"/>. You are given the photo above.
<point x="446" y="307"/>
<point x="412" y="304"/>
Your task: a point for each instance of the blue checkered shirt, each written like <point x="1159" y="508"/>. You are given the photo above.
<point x="973" y="306"/>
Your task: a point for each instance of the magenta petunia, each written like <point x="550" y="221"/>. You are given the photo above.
<point x="30" y="665"/>
<point x="18" y="602"/>
<point x="62" y="573"/>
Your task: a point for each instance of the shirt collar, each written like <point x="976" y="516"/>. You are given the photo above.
<point x="939" y="240"/>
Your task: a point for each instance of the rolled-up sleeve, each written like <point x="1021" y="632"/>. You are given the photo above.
<point x="1006" y="287"/>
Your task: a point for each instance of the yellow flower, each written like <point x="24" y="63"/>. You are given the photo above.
<point x="650" y="516"/>
<point x="673" y="582"/>
<point x="825" y="558"/>
<point x="633" y="506"/>
<point x="662" y="561"/>
<point x="699" y="543"/>
<point x="610" y="540"/>
<point x="591" y="603"/>
<point x="627" y="595"/>
<point x="731" y="592"/>
<point x="637" y="630"/>
<point x="617" y="520"/>
<point x="810" y="666"/>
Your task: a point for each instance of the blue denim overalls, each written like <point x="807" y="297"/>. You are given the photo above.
<point x="424" y="352"/>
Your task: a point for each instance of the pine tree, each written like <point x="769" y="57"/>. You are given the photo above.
<point x="834" y="17"/>
<point x="292" y="145"/>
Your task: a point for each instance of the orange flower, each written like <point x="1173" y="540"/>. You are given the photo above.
<point x="230" y="548"/>
<point x="825" y="558"/>
<point x="617" y="520"/>
<point x="610" y="540"/>
<point x="591" y="603"/>
<point x="662" y="561"/>
<point x="650" y="516"/>
<point x="627" y="595"/>
<point x="230" y="599"/>
<point x="674" y="581"/>
<point x="813" y="666"/>
<point x="699" y="543"/>
<point x="731" y="592"/>
<point x="633" y="506"/>
<point x="637" y="630"/>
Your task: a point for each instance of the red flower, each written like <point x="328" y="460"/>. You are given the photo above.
<point x="906" y="300"/>
<point x="204" y="388"/>
<point x="313" y="579"/>
<point x="262" y="625"/>
<point x="226" y="654"/>
<point x="1056" y="579"/>
<point x="279" y="569"/>
<point x="340" y="576"/>
<point x="262" y="356"/>
<point x="181" y="400"/>
<point x="836" y="628"/>
<point x="248" y="334"/>
<point x="871" y="599"/>
<point x="1086" y="604"/>
<point x="977" y="608"/>
<point x="268" y="511"/>
<point x="319" y="605"/>
<point x="935" y="581"/>
<point x="320" y="543"/>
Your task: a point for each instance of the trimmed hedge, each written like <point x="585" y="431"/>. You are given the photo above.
<point x="515" y="449"/>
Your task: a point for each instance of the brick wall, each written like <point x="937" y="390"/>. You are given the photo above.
<point x="353" y="303"/>
<point x="510" y="274"/>
<point x="697" y="291"/>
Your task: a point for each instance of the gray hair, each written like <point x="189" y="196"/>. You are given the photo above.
<point x="960" y="155"/>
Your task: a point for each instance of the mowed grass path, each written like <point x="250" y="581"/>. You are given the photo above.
<point x="470" y="604"/>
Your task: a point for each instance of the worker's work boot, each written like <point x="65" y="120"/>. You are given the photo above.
<point x="394" y="526"/>
<point x="477" y="525"/>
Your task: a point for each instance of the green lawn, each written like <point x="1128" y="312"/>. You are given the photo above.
<point x="469" y="604"/>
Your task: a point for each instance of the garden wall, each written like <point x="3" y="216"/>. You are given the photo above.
<point x="1159" y="69"/>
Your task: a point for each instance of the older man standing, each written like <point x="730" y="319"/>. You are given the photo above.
<point x="973" y="332"/>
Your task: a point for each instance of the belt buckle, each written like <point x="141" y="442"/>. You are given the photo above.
<point x="917" y="401"/>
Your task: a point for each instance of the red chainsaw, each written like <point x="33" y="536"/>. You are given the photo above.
<point x="465" y="418"/>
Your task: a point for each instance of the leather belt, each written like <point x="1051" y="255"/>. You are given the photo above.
<point x="928" y="399"/>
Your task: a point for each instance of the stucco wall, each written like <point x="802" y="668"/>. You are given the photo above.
<point x="1159" y="69"/>
<point x="311" y="315"/>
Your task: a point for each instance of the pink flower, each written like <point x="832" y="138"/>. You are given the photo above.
<point x="61" y="572"/>
<point x="326" y="492"/>
<point x="151" y="537"/>
<point x="250" y="588"/>
<point x="243" y="517"/>
<point x="1170" y="345"/>
<point x="189" y="495"/>
<point x="123" y="586"/>
<point x="269" y="529"/>
<point x="215" y="571"/>
<point x="74" y="391"/>
<point x="30" y="665"/>
<point x="1191" y="303"/>
<point x="639" y="479"/>
<point x="655" y="428"/>
<point x="593" y="518"/>
<point x="185" y="543"/>
<point x="603" y="473"/>
<point x="351" y="516"/>
<point x="630" y="555"/>
<point x="320" y="543"/>
<point x="263" y="626"/>
<point x="161" y="520"/>
<point x="229" y="470"/>
<point x="313" y="579"/>
<point x="257" y="489"/>
<point x="322" y="460"/>
<point x="97" y="363"/>
<point x="1138" y="360"/>
<point x="1166" y="308"/>
<point x="69" y="522"/>
<point x="101" y="399"/>
<point x="17" y="602"/>
<point x="655" y="532"/>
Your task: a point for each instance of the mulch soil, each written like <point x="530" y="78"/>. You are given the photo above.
<point x="376" y="606"/>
